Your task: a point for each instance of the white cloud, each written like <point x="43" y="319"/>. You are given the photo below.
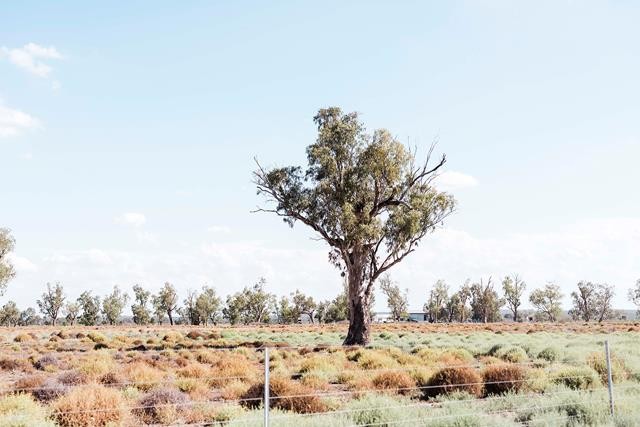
<point x="14" y="122"/>
<point x="134" y="219"/>
<point x="222" y="229"/>
<point x="451" y="180"/>
<point x="22" y="264"/>
<point x="30" y="56"/>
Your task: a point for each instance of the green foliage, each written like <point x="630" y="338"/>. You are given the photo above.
<point x="208" y="306"/>
<point x="592" y="301"/>
<point x="9" y="314"/>
<point x="576" y="377"/>
<point x="90" y="306"/>
<point x="73" y="311"/>
<point x="485" y="302"/>
<point x="363" y="194"/>
<point x="51" y="302"/>
<point x="141" y="313"/>
<point x="513" y="287"/>
<point x="7" y="272"/>
<point x="166" y="301"/>
<point x="20" y="410"/>
<point x="550" y="354"/>
<point x="513" y="354"/>
<point x="397" y="300"/>
<point x="251" y="305"/>
<point x="547" y="301"/>
<point x="113" y="305"/>
<point x="436" y="305"/>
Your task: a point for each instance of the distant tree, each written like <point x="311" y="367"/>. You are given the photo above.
<point x="547" y="301"/>
<point x="485" y="302"/>
<point x="189" y="311"/>
<point x="397" y="300"/>
<point x="113" y="305"/>
<point x="29" y="317"/>
<point x="251" y="305"/>
<point x="303" y="305"/>
<point x="167" y="300"/>
<point x="51" y="302"/>
<point x="457" y="307"/>
<point x="365" y="196"/>
<point x="9" y="314"/>
<point x="514" y="288"/>
<point x="435" y="306"/>
<point x="592" y="301"/>
<point x="73" y="311"/>
<point x="141" y="313"/>
<point x="634" y="295"/>
<point x="159" y="312"/>
<point x="286" y="312"/>
<point x="208" y="306"/>
<point x="7" y="272"/>
<point x="90" y="308"/>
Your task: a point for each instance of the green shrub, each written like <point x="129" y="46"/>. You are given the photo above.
<point x="618" y="370"/>
<point x="96" y="337"/>
<point x="550" y="354"/>
<point x="452" y="379"/>
<point x="513" y="354"/>
<point x="577" y="378"/>
<point x="20" y="410"/>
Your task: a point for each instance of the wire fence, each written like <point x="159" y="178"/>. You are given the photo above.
<point x="419" y="407"/>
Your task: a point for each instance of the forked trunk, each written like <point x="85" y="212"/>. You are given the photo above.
<point x="359" y="314"/>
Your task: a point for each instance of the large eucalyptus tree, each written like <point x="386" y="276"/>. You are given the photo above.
<point x="366" y="196"/>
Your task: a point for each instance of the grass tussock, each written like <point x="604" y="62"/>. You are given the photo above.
<point x="454" y="379"/>
<point x="504" y="378"/>
<point x="399" y="382"/>
<point x="20" y="410"/>
<point x="90" y="405"/>
<point x="302" y="399"/>
<point x="162" y="406"/>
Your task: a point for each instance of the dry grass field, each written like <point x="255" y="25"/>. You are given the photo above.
<point x="412" y="374"/>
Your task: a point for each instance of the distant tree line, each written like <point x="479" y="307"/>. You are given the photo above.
<point x="477" y="301"/>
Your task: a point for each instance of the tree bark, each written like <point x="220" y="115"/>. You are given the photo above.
<point x="358" y="304"/>
<point x="170" y="318"/>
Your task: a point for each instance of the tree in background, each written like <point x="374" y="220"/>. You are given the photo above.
<point x="513" y="287"/>
<point x="9" y="314"/>
<point x="286" y="312"/>
<point x="167" y="300"/>
<point x="73" y="311"/>
<point x="113" y="305"/>
<point x="485" y="302"/>
<point x="435" y="306"/>
<point x="90" y="308"/>
<point x="592" y="301"/>
<point x="456" y="307"/>
<point x="208" y="306"/>
<point x="397" y="301"/>
<point x="51" y="302"/>
<point x="188" y="311"/>
<point x="365" y="196"/>
<point x="303" y="305"/>
<point x="251" y="305"/>
<point x="547" y="301"/>
<point x="634" y="295"/>
<point x="141" y="313"/>
<point x="29" y="317"/>
<point x="7" y="272"/>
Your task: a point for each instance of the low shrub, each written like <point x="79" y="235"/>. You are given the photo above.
<point x="302" y="402"/>
<point x="503" y="378"/>
<point x="72" y="378"/>
<point x="15" y="365"/>
<point x="448" y="380"/>
<point x="48" y="362"/>
<point x="550" y="354"/>
<point x="513" y="354"/>
<point x="20" y="410"/>
<point x="194" y="335"/>
<point x="97" y="337"/>
<point x="49" y="390"/>
<point x="397" y="381"/>
<point x="455" y="356"/>
<point x="172" y="337"/>
<point x="576" y="377"/>
<point x="90" y="405"/>
<point x="162" y="406"/>
<point x="22" y="337"/>
<point x="598" y="362"/>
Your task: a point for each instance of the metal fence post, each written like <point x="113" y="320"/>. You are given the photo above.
<point x="266" y="387"/>
<point x="609" y="376"/>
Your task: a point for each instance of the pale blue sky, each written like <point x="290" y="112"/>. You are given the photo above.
<point x="157" y="109"/>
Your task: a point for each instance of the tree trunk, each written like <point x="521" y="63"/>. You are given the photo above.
<point x="358" y="304"/>
<point x="170" y="317"/>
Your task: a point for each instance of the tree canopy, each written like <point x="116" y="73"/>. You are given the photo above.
<point x="365" y="195"/>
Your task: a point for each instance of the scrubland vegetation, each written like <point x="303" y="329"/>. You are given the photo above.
<point x="418" y="374"/>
